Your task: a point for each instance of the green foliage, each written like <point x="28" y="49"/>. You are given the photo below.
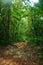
<point x="13" y="22"/>
<point x="20" y="22"/>
<point x="36" y="30"/>
<point x="3" y="24"/>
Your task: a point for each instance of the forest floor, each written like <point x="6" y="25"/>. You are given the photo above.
<point x="19" y="54"/>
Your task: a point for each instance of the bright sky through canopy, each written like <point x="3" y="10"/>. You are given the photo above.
<point x="33" y="1"/>
<point x="30" y="2"/>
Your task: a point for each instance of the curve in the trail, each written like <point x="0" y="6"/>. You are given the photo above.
<point x="18" y="54"/>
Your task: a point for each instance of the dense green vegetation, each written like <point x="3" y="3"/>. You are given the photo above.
<point x="19" y="22"/>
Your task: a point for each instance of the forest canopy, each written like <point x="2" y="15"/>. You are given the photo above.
<point x="21" y="20"/>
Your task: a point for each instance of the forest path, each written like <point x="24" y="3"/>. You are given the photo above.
<point x="19" y="54"/>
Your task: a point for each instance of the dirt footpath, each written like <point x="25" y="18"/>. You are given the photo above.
<point x="19" y="54"/>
